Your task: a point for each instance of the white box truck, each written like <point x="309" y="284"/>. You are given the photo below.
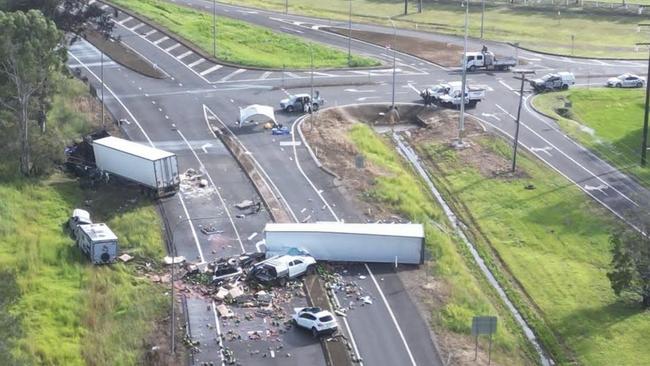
<point x="154" y="169"/>
<point x="333" y="241"/>
<point x="98" y="242"/>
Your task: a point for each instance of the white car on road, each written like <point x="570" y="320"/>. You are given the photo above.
<point x="626" y="81"/>
<point x="317" y="320"/>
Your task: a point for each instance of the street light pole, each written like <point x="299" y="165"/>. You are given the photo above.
<point x="521" y="99"/>
<point x="214" y="28"/>
<point x="392" y="104"/>
<point x="350" y="33"/>
<point x="102" y="77"/>
<point x="463" y="84"/>
<point x="286" y="6"/>
<point x="644" y="143"/>
<point x="482" y="16"/>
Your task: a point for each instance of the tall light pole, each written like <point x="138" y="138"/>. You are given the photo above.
<point x="521" y="99"/>
<point x="350" y="33"/>
<point x="463" y="83"/>
<point x="214" y="28"/>
<point x="644" y="142"/>
<point x="286" y="6"/>
<point x="482" y="16"/>
<point x="392" y="105"/>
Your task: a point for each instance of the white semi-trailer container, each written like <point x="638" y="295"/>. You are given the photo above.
<point x="383" y="243"/>
<point x="152" y="168"/>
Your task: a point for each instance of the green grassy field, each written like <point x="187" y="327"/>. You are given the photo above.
<point x="240" y="42"/>
<point x="595" y="34"/>
<point x="607" y="121"/>
<point x="554" y="240"/>
<point x="55" y="307"/>
<point x="469" y="295"/>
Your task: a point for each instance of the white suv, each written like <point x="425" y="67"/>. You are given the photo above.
<point x="315" y="319"/>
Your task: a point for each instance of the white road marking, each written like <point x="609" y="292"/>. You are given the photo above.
<point x="599" y="188"/>
<point x="413" y="88"/>
<point x="491" y="115"/>
<point x="290" y="143"/>
<point x="173" y="47"/>
<point x="180" y="57"/>
<point x="197" y="62"/>
<point x="291" y="75"/>
<point x="506" y="85"/>
<point x="529" y="58"/>
<point x="250" y="237"/>
<point x="125" y="20"/>
<point x="362" y="99"/>
<point x="150" y="33"/>
<point x="205" y="147"/>
<point x="323" y="74"/>
<point x="137" y="27"/>
<point x="265" y="75"/>
<point x="544" y="149"/>
<point x="162" y="39"/>
<point x="94" y="64"/>
<point x="358" y="91"/>
<point x="232" y="74"/>
<point x="207" y="71"/>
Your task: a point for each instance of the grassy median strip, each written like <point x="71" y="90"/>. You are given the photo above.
<point x="554" y="241"/>
<point x="56" y="308"/>
<point x="607" y="121"/>
<point x="242" y="43"/>
<point x="603" y="35"/>
<point x="401" y="190"/>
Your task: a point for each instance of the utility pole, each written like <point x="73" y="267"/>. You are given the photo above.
<point x="102" y="77"/>
<point x="644" y="142"/>
<point x="406" y="7"/>
<point x="482" y="16"/>
<point x="350" y="33"/>
<point x="521" y="98"/>
<point x="286" y="6"/>
<point x="392" y="105"/>
<point x="214" y="28"/>
<point x="420" y="7"/>
<point x="463" y="84"/>
<point x="311" y="76"/>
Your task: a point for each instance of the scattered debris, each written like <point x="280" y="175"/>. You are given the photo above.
<point x="224" y="311"/>
<point x="244" y="204"/>
<point x="175" y="260"/>
<point x="125" y="257"/>
<point x="211" y="229"/>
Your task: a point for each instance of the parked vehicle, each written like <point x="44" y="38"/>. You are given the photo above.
<point x="448" y="94"/>
<point x="333" y="241"/>
<point x="79" y="217"/>
<point x="153" y="169"/>
<point x="282" y="268"/>
<point x="487" y="60"/>
<point x="556" y="81"/>
<point x="301" y="103"/>
<point x="98" y="242"/>
<point x="626" y="81"/>
<point x="317" y="320"/>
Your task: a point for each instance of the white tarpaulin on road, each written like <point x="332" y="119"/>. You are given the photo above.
<point x="256" y="114"/>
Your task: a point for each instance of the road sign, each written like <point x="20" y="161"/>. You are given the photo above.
<point x="484" y="325"/>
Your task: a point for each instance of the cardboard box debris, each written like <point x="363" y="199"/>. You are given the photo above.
<point x="176" y="260"/>
<point x="221" y="294"/>
<point x="235" y="292"/>
<point x="244" y="204"/>
<point x="224" y="311"/>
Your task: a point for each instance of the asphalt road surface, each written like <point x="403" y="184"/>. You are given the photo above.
<point x="175" y="114"/>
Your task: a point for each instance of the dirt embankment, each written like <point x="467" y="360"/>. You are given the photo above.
<point x="440" y="53"/>
<point x="331" y="144"/>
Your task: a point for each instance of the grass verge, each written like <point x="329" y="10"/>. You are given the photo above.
<point x="464" y="289"/>
<point x="554" y="241"/>
<point x="607" y="121"/>
<point x="55" y="307"/>
<point x="599" y="35"/>
<point x="242" y="43"/>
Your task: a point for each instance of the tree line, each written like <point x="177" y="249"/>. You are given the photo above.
<point x="34" y="35"/>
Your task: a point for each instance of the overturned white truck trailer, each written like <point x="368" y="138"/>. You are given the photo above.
<point x="333" y="241"/>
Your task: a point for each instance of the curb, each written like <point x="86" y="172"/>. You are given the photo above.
<point x="538" y="111"/>
<point x="577" y="57"/>
<point x="196" y="49"/>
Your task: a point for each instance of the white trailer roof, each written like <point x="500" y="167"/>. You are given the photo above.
<point x="133" y="148"/>
<point x="98" y="232"/>
<point x="404" y="230"/>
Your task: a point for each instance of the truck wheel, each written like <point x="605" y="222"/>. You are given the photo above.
<point x="314" y="107"/>
<point x="565" y="87"/>
<point x="472" y="68"/>
<point x="290" y="109"/>
<point x="314" y="332"/>
<point x="311" y="269"/>
<point x="639" y="84"/>
<point x="282" y="281"/>
<point x="472" y="104"/>
<point x="618" y="85"/>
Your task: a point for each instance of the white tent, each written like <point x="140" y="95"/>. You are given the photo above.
<point x="256" y="114"/>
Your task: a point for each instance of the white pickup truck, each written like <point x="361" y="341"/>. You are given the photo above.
<point x="448" y="94"/>
<point x="487" y="60"/>
<point x="282" y="268"/>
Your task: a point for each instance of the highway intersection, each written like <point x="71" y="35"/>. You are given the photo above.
<point x="177" y="114"/>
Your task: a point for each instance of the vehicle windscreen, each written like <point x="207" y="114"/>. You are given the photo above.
<point x="326" y="318"/>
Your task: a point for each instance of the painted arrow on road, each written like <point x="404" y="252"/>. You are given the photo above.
<point x="491" y="115"/>
<point x="362" y="99"/>
<point x="359" y="91"/>
<point x="599" y="188"/>
<point x="205" y="147"/>
<point x="545" y="150"/>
